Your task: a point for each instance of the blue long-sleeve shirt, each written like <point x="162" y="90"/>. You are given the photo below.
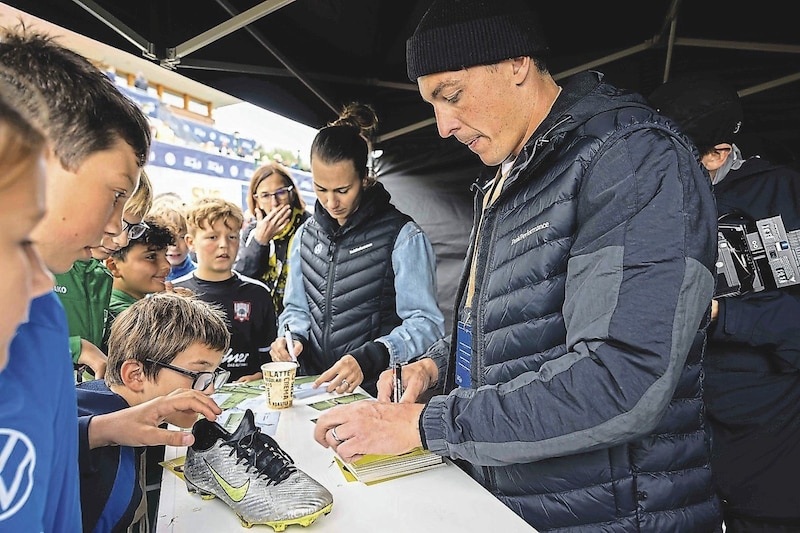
<point x="110" y="476"/>
<point x="38" y="426"/>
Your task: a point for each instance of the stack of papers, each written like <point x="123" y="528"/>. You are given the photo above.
<point x="375" y="468"/>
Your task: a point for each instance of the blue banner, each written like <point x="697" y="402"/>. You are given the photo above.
<point x="198" y="161"/>
<point x="193" y="160"/>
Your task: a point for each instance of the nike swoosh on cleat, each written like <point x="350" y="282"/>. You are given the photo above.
<point x="236" y="494"/>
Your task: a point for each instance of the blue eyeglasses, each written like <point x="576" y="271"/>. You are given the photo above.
<point x="279" y="195"/>
<point x="201" y="380"/>
<point x="134" y="230"/>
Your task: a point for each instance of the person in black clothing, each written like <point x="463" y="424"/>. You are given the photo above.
<point x="752" y="363"/>
<point x="361" y="291"/>
<point x="214" y="228"/>
<point x="571" y="384"/>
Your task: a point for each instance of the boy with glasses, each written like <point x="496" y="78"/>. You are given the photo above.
<point x="138" y="269"/>
<point x="98" y="142"/>
<point x="186" y="353"/>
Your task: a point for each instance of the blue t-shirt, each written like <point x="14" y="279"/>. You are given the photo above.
<point x="39" y="426"/>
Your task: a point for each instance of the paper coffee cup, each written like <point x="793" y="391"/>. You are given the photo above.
<point x="279" y="383"/>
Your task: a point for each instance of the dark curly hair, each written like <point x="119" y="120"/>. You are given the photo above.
<point x="156" y="237"/>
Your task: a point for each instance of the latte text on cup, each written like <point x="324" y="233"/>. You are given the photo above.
<point x="279" y="383"/>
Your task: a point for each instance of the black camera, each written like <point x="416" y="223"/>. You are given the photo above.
<point x="755" y="256"/>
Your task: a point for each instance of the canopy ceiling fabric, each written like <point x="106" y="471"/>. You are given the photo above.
<point x="304" y="59"/>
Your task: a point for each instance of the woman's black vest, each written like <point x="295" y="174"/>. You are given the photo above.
<point x="349" y="279"/>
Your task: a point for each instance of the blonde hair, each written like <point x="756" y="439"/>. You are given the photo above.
<point x="160" y="327"/>
<point x="172" y="218"/>
<point x="141" y="200"/>
<point x="169" y="199"/>
<point x="205" y="212"/>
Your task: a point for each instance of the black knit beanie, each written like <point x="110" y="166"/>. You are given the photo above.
<point x="707" y="109"/>
<point x="456" y="34"/>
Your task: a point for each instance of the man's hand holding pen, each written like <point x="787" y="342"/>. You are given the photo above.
<point x="408" y="385"/>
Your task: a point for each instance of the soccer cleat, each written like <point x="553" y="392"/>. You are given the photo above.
<point x="249" y="471"/>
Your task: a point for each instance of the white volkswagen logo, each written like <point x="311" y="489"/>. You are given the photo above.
<point x="17" y="464"/>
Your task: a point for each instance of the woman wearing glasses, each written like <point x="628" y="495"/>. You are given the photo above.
<point x="278" y="210"/>
<point x="362" y="277"/>
<point x="159" y="346"/>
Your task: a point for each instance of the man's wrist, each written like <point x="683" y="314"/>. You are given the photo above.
<point x="431" y="371"/>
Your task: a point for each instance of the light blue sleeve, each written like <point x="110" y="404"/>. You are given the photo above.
<point x="296" y="312"/>
<point x="414" y="263"/>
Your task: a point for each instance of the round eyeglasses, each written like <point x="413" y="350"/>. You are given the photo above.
<point x="134" y="230"/>
<point x="279" y="195"/>
<point x="201" y="380"/>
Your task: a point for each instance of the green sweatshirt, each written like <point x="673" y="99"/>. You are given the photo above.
<point x="85" y="291"/>
<point x="120" y="301"/>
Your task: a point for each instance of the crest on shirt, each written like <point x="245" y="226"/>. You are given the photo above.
<point x="241" y="311"/>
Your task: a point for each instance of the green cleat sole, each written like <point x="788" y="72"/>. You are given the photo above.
<point x="280" y="525"/>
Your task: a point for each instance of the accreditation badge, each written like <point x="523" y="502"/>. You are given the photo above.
<point x="463" y="354"/>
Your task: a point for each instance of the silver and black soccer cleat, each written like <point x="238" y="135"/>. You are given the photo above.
<point x="249" y="471"/>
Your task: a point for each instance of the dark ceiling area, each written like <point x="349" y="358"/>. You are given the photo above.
<point x="304" y="59"/>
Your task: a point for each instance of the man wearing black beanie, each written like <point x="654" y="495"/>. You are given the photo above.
<point x="572" y="384"/>
<point x="752" y="361"/>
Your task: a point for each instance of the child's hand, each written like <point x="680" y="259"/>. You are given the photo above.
<point x="138" y="425"/>
<point x="94" y="358"/>
<point x="183" y="291"/>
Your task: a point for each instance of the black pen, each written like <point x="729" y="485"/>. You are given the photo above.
<point x="398" y="382"/>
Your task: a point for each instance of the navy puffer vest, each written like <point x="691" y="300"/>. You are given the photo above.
<point x="349" y="279"/>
